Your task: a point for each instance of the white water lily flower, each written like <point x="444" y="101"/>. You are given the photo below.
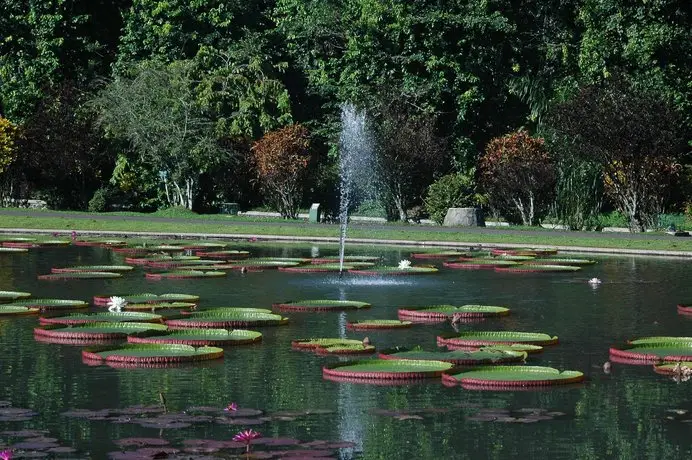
<point x="404" y="264"/>
<point x="116" y="304"/>
<point x="594" y="281"/>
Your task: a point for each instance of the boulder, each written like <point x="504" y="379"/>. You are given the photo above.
<point x="464" y="217"/>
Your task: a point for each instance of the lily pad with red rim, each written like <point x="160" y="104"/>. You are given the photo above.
<point x="4" y="249"/>
<point x="259" y="264"/>
<point x="394" y="271"/>
<point x="684" y="309"/>
<point x="458" y="357"/>
<point x="321" y="305"/>
<point x="347" y="259"/>
<point x="225" y="255"/>
<point x="479" y="264"/>
<point x="79" y="276"/>
<point x="483" y="338"/>
<point x="316" y="268"/>
<point x="149" y="353"/>
<point x="438" y="254"/>
<point x="444" y="312"/>
<point x="93" y="268"/>
<point x="387" y="369"/>
<point x="147" y="298"/>
<point x="96" y="331"/>
<point x="124" y="316"/>
<point x="185" y="274"/>
<point x="222" y="318"/>
<point x="673" y="368"/>
<point x="378" y="324"/>
<point x="158" y="258"/>
<point x="159" y="306"/>
<point x="105" y="242"/>
<point x="199" y="337"/>
<point x="654" y="352"/>
<point x="561" y="261"/>
<point x="511" y="376"/>
<point x="175" y="264"/>
<point x="333" y="346"/>
<point x="51" y="304"/>
<point x="538" y="268"/>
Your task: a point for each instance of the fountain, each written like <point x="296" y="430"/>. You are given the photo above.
<point x="356" y="166"/>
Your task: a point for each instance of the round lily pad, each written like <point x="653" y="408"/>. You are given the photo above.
<point x="159" y="306"/>
<point x="317" y="268"/>
<point x="93" y="268"/>
<point x="458" y="357"/>
<point x="334" y="346"/>
<point x="347" y="259"/>
<point x="437" y="255"/>
<point x="101" y="317"/>
<point x="199" y="337"/>
<point x="378" y="324"/>
<point x="321" y="305"/>
<point x="523" y="252"/>
<point x="223" y="318"/>
<point x="480" y="338"/>
<point x="100" y="242"/>
<point x="225" y="255"/>
<point x="479" y="264"/>
<point x="659" y="339"/>
<point x="263" y="264"/>
<point x="180" y="263"/>
<point x="14" y="310"/>
<point x="512" y="376"/>
<point x="537" y="268"/>
<point x="184" y="274"/>
<point x="522" y="347"/>
<point x="561" y="261"/>
<point x="685" y="309"/>
<point x="672" y="368"/>
<point x="17" y="239"/>
<point x="13" y="295"/>
<point x="379" y="271"/>
<point x="516" y="258"/>
<point x="150" y="353"/>
<point x="444" y="312"/>
<point x="79" y="276"/>
<point x="54" y="243"/>
<point x="387" y="369"/>
<point x="51" y="304"/>
<point x="150" y="259"/>
<point x="652" y="352"/>
<point x="96" y="331"/>
<point x="147" y="298"/>
<point x="13" y="250"/>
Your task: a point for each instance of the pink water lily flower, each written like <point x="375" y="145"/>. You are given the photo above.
<point x="6" y="455"/>
<point x="232" y="407"/>
<point x="246" y="437"/>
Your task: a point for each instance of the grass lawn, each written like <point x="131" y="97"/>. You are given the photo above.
<point x="227" y="225"/>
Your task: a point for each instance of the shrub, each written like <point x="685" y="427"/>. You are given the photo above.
<point x="8" y="135"/>
<point x="99" y="202"/>
<point x="451" y="191"/>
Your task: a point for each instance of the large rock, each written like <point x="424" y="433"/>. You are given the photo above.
<point x="464" y="217"/>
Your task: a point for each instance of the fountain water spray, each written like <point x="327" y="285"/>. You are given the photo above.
<point x="356" y="166"/>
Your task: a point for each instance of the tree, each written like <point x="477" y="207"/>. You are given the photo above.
<point x="8" y="137"/>
<point x="455" y="190"/>
<point x="637" y="138"/>
<point x="519" y="175"/>
<point x="282" y="159"/>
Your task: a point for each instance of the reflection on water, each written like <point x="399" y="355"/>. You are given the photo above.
<point x="623" y="414"/>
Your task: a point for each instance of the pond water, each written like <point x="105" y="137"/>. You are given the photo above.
<point x="623" y="414"/>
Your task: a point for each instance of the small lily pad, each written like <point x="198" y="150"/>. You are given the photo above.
<point x="378" y="324"/>
<point x="79" y="276"/>
<point x="184" y="274"/>
<point x="321" y="305"/>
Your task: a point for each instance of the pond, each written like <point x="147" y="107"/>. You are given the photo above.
<point x="630" y="412"/>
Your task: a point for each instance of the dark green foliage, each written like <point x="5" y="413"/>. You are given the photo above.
<point x="451" y="191"/>
<point x="98" y="202"/>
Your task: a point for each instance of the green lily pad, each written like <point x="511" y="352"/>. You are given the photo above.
<point x="524" y="347"/>
<point x="51" y="304"/>
<point x="444" y="312"/>
<point x="437" y="255"/>
<point x="394" y="271"/>
<point x="479" y="264"/>
<point x="673" y="368"/>
<point x="347" y="259"/>
<point x="180" y="263"/>
<point x="538" y="268"/>
<point x="96" y="331"/>
<point x="13" y="310"/>
<point x="13" y="295"/>
<point x="316" y="268"/>
<point x="516" y="258"/>
<point x="150" y="259"/>
<point x="665" y="339"/>
<point x="158" y="306"/>
<point x="147" y="298"/>
<point x="655" y="351"/>
<point x="101" y="317"/>
<point x="107" y="242"/>
<point x="333" y="346"/>
<point x="150" y="353"/>
<point x="199" y="337"/>
<point x="184" y="274"/>
<point x="378" y="324"/>
<point x="512" y="376"/>
<point x="93" y="268"/>
<point x="16" y="239"/>
<point x="482" y="338"/>
<point x="54" y="243"/>
<point x="458" y="357"/>
<point x="79" y="276"/>
<point x="13" y="250"/>
<point x="405" y="369"/>
<point x="222" y="318"/>
<point x="562" y="261"/>
<point x="226" y="254"/>
<point x="321" y="305"/>
<point x="205" y="245"/>
<point x="260" y="263"/>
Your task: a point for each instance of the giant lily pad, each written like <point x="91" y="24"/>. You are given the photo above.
<point x="105" y="242"/>
<point x="96" y="331"/>
<point x="512" y="376"/>
<point x="147" y="298"/>
<point x="227" y="318"/>
<point x="659" y="339"/>
<point x="378" y="324"/>
<point x="652" y="352"/>
<point x="673" y="368"/>
<point x="561" y="261"/>
<point x="485" y="356"/>
<point x="51" y="304"/>
<point x="184" y="274"/>
<point x="204" y="246"/>
<point x="180" y="263"/>
<point x="347" y="259"/>
<point x="685" y="309"/>
<point x="153" y="306"/>
<point x="13" y="250"/>
<point x="334" y="346"/>
<point x="13" y="295"/>
<point x="406" y="369"/>
<point x="14" y="310"/>
<point x="443" y="312"/>
<point x="261" y="264"/>
<point x="321" y="305"/>
<point x="479" y="264"/>
<point x="101" y="317"/>
<point x="523" y="252"/>
<point x="93" y="268"/>
<point x="538" y="268"/>
<point x="225" y="255"/>
<point x="481" y="338"/>
<point x="149" y="353"/>
<point x="396" y="271"/>
<point x="317" y="268"/>
<point x="199" y="337"/>
<point x="437" y="255"/>
<point x="159" y="258"/>
<point x="79" y="276"/>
